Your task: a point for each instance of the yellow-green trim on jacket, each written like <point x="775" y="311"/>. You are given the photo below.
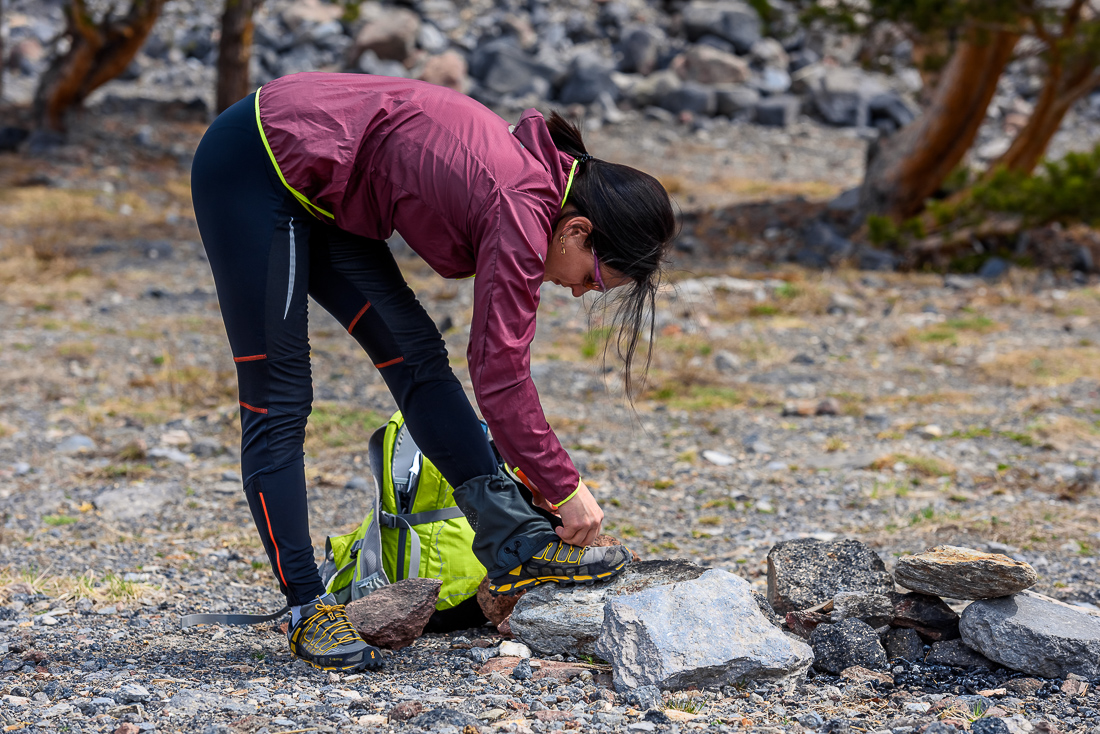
<point x="309" y="205"/>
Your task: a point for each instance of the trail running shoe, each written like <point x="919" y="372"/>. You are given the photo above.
<point x="325" y="639"/>
<point x="565" y="564"/>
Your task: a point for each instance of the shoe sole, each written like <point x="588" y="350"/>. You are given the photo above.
<point x="343" y="669"/>
<point x="511" y="589"/>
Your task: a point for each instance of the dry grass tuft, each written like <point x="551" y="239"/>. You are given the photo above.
<point x="107" y="587"/>
<point x="928" y="466"/>
<point x="1044" y="367"/>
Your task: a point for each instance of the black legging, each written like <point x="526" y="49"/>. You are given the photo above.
<point x="267" y="253"/>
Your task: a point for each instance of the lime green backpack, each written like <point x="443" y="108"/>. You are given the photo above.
<point x="413" y="529"/>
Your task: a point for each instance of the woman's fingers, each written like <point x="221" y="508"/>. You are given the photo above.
<point x="581" y="518"/>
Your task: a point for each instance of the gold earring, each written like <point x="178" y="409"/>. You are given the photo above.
<point x="563" y="244"/>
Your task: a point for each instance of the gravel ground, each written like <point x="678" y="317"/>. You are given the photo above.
<point x="965" y="414"/>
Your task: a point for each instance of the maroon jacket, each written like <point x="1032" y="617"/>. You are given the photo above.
<point x="377" y="154"/>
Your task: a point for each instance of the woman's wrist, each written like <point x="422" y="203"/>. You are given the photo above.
<point x="570" y="496"/>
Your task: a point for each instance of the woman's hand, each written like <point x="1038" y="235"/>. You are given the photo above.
<point x="581" y="518"/>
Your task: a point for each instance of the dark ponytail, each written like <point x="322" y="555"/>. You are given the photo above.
<point x="633" y="228"/>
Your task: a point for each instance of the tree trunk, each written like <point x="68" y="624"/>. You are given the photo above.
<point x="907" y="168"/>
<point x="3" y="59"/>
<point x="96" y="55"/>
<point x="235" y="52"/>
<point x="1062" y="90"/>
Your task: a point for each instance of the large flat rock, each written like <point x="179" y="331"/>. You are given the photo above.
<point x="554" y="620"/>
<point x="806" y="572"/>
<point x="963" y="573"/>
<point x="1034" y="635"/>
<point x="708" y="631"/>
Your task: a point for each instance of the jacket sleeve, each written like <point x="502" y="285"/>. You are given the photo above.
<point x="506" y="296"/>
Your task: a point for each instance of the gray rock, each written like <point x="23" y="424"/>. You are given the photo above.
<point x="391" y="33"/>
<point x="927" y="615"/>
<point x="779" y="111"/>
<point x="568" y="621"/>
<point x="806" y="572"/>
<point x="644" y="698"/>
<point x="440" y="717"/>
<point x="903" y="644"/>
<point x="726" y="361"/>
<point x="523" y="669"/>
<point x="707" y="65"/>
<point x="1034" y="635"/>
<point x="690" y="97"/>
<point x="78" y="444"/>
<point x="641" y="50"/>
<point x="132" y="693"/>
<point x="731" y="20"/>
<point x="589" y="78"/>
<point x="873" y="608"/>
<point x="994" y="269"/>
<point x="845" y="644"/>
<point x="666" y="636"/>
<point x="136" y="501"/>
<point x="963" y="573"/>
<point x="736" y="100"/>
<point x="503" y="68"/>
<point x="957" y="655"/>
<point x="191" y="702"/>
<point x="989" y="725"/>
<point x="842" y="96"/>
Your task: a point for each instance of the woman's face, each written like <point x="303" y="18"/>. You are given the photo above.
<point x="570" y="262"/>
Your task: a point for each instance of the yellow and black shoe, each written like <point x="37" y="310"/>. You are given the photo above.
<point x="565" y="564"/>
<point x="325" y="639"/>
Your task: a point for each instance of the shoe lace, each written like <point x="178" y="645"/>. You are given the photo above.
<point x="339" y="629"/>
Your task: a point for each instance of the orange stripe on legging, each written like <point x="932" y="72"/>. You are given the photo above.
<point x="392" y="361"/>
<point x="358" y="316"/>
<point x="251" y="358"/>
<point x="261" y="411"/>
<point x="278" y="565"/>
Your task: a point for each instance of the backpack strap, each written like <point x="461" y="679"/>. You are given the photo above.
<point x="190" y="620"/>
<point x="419" y="518"/>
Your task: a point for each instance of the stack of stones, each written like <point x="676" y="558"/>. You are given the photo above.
<point x="840" y="597"/>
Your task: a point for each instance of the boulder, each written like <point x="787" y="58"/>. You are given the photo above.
<point x="589" y="77"/>
<point x="653" y="88"/>
<point x="731" y="20"/>
<point x="736" y="101"/>
<point x="873" y="608"/>
<point x="927" y="615"/>
<point x="1034" y="635"/>
<point x="697" y="99"/>
<point x="770" y="53"/>
<point x="390" y="33"/>
<point x="496" y="608"/>
<point x="305" y="13"/>
<point x="641" y="50"/>
<point x="555" y="620"/>
<point x="395" y="615"/>
<point x="779" y="111"/>
<point x="448" y="69"/>
<point x="845" y="644"/>
<point x="667" y="636"/>
<point x="806" y="572"/>
<point x="963" y="573"/>
<point x="707" y="65"/>
<point x="503" y="68"/>
<point x="842" y="96"/>
<point x="904" y="644"/>
<point x="957" y="655"/>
